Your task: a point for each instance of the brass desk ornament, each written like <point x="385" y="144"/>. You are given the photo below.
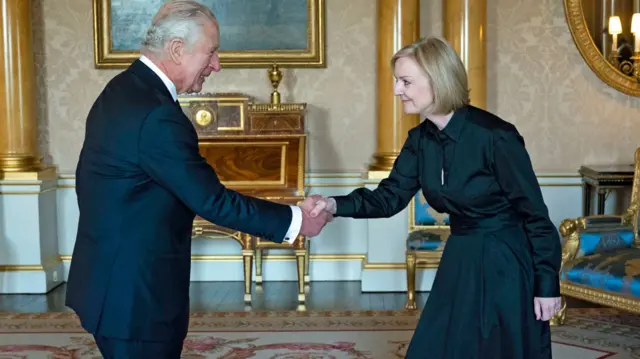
<point x="275" y="76"/>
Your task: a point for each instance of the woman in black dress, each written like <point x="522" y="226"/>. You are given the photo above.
<point x="497" y="284"/>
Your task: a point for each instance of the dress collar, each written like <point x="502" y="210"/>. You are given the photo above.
<point x="452" y="130"/>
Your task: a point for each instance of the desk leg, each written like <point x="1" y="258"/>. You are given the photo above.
<point x="601" y="200"/>
<point x="300" y="259"/>
<point x="586" y="199"/>
<point x="247" y="259"/>
<point x="259" y="266"/>
<point x="307" y="258"/>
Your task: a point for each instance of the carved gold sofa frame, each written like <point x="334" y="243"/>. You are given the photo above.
<point x="428" y="232"/>
<point x="601" y="257"/>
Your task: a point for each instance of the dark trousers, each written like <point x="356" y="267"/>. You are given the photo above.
<point x="111" y="348"/>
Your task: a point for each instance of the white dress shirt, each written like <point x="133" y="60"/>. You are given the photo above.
<point x="296" y="220"/>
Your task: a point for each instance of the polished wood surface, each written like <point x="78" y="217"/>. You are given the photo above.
<point x="18" y="137"/>
<point x="257" y="162"/>
<point x="227" y="297"/>
<point x="465" y="27"/>
<point x="398" y="25"/>
<point x="259" y="150"/>
<point x="266" y="166"/>
<point x="272" y="296"/>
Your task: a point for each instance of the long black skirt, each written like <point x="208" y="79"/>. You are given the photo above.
<point x="481" y="302"/>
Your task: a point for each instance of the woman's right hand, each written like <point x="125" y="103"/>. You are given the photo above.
<point x="324" y="204"/>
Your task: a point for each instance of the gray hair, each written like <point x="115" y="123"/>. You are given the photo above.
<point x="177" y="19"/>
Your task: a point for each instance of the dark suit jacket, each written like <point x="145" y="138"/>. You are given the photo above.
<point x="140" y="181"/>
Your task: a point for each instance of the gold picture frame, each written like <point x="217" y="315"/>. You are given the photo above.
<point x="440" y="228"/>
<point x="313" y="56"/>
<point x="584" y="42"/>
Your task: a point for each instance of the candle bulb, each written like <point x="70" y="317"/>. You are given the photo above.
<point x="635" y="29"/>
<point x="615" y="28"/>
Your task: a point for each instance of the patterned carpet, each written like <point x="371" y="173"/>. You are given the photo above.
<point x="588" y="334"/>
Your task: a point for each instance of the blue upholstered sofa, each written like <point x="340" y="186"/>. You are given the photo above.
<point x="428" y="233"/>
<point x="601" y="257"/>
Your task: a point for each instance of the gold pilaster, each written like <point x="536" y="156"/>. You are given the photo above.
<point x="18" y="139"/>
<point x="465" y="24"/>
<point x="398" y="25"/>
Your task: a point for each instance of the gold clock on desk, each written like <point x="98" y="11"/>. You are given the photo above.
<point x="204" y="118"/>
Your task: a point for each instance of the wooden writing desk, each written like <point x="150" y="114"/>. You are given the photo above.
<point x="258" y="150"/>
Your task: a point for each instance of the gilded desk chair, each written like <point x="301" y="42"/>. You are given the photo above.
<point x="428" y="233"/>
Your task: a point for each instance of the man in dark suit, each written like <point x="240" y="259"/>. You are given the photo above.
<point x="140" y="181"/>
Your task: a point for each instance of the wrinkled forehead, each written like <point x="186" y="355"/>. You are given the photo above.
<point x="211" y="34"/>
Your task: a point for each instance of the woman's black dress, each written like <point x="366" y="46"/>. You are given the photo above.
<point x="503" y="249"/>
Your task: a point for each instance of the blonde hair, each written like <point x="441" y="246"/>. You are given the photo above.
<point x="444" y="69"/>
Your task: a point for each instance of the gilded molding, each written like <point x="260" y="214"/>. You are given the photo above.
<point x="360" y="184"/>
<point x="313" y="57"/>
<point x="600" y="297"/>
<point x="266" y="257"/>
<point x="280" y="107"/>
<point x="26" y="193"/>
<point x="631" y="215"/>
<point x="21" y="268"/>
<point x="49" y="262"/>
<point x="592" y="56"/>
<point x="399" y="266"/>
<point x="352" y="177"/>
<point x="40" y="174"/>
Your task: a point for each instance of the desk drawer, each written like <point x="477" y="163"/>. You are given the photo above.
<point x="269" y="165"/>
<point x="277" y="122"/>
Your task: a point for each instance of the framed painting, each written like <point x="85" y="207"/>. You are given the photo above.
<point x="253" y="33"/>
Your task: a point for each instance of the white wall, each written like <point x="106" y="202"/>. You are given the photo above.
<point x="38" y="222"/>
<point x="348" y="249"/>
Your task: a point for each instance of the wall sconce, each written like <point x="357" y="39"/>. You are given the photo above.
<point x="635" y="30"/>
<point x="630" y="67"/>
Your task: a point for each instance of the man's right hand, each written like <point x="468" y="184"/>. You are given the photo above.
<point x="312" y="225"/>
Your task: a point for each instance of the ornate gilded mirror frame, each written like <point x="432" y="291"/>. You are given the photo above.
<point x="592" y="56"/>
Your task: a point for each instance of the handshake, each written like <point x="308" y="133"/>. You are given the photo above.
<point x="317" y="211"/>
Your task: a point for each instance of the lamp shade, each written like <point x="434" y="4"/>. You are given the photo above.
<point x="635" y="23"/>
<point x="615" y="26"/>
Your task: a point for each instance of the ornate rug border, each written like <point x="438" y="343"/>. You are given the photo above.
<point x="291" y="314"/>
<point x="239" y="314"/>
